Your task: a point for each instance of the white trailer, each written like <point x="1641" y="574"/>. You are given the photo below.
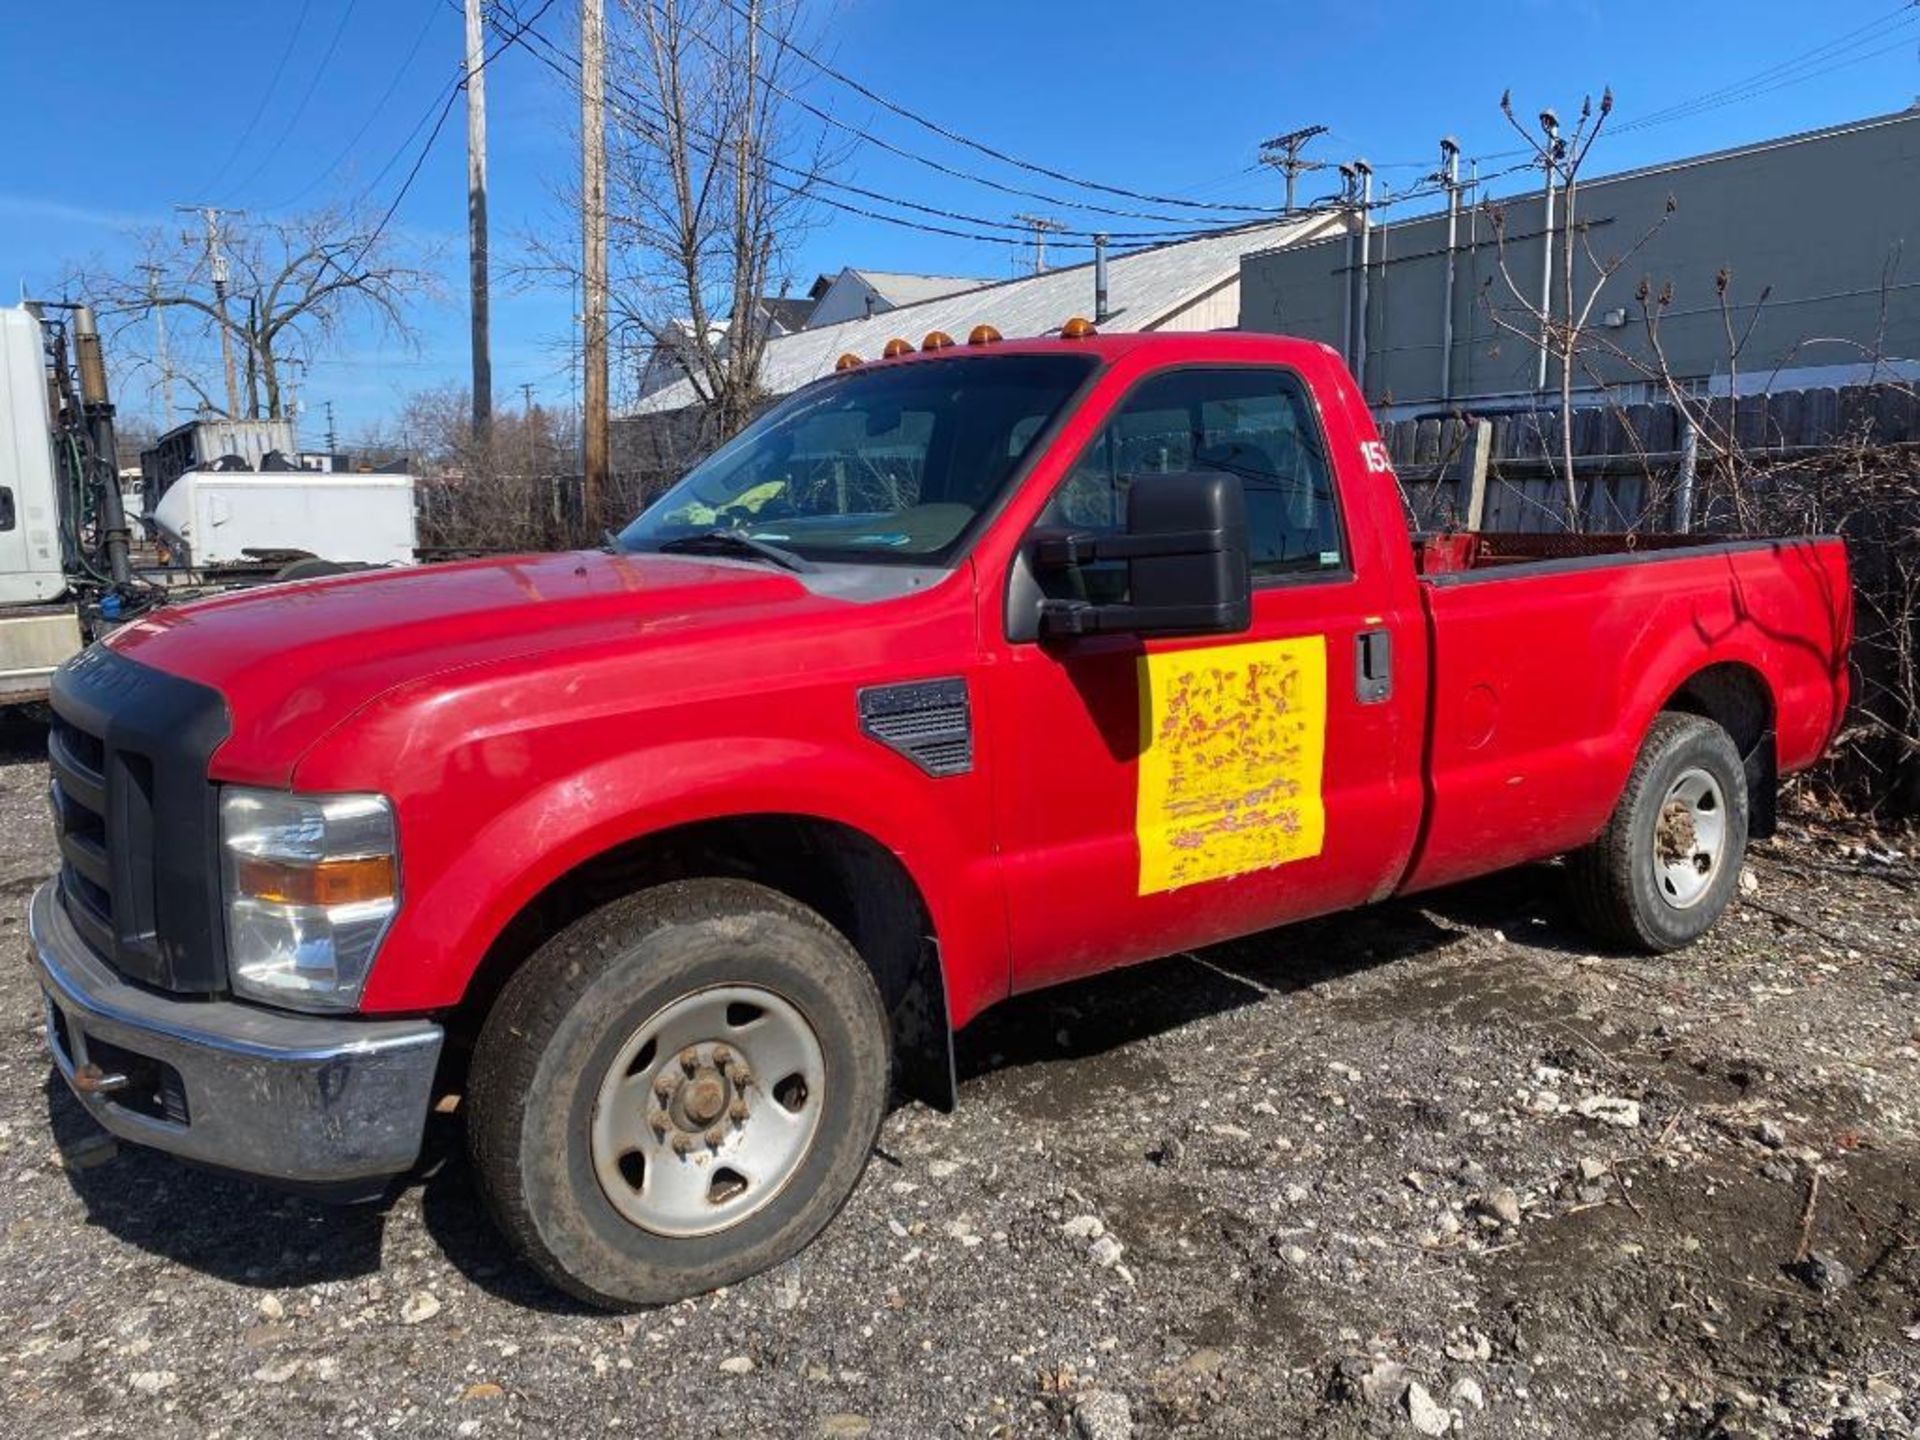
<point x="211" y="518"/>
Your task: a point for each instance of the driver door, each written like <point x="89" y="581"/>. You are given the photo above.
<point x="1162" y="794"/>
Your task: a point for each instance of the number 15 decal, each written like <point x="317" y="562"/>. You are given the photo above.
<point x="1374" y="452"/>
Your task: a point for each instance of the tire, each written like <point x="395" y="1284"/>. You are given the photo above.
<point x="554" y="1092"/>
<point x="1642" y="883"/>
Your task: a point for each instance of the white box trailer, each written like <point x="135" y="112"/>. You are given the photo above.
<point x="235" y="517"/>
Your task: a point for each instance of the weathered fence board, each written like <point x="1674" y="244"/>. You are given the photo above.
<point x="1625" y="457"/>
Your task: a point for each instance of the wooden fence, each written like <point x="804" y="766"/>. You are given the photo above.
<point x="1632" y="463"/>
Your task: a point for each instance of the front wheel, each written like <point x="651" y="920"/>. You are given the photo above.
<point x="1666" y="865"/>
<point x="677" y="1091"/>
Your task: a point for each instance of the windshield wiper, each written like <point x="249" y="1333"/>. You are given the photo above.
<point x="733" y="542"/>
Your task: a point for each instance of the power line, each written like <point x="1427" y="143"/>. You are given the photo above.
<point x="1002" y="156"/>
<point x="865" y="136"/>
<point x="273" y="84"/>
<point x="1785" y="71"/>
<point x="439" y="124"/>
<point x="652" y="120"/>
<point x="306" y="98"/>
<point x="399" y="74"/>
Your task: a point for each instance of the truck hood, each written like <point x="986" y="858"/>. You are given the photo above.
<point x="294" y="660"/>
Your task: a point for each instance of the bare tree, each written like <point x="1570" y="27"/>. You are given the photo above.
<point x="709" y="167"/>
<point x="292" y="287"/>
<point x="1557" y="330"/>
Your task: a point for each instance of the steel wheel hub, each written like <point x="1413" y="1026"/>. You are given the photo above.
<point x="1689" y="838"/>
<point x="707" y="1110"/>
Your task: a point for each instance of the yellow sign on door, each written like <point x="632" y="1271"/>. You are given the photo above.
<point x="1233" y="740"/>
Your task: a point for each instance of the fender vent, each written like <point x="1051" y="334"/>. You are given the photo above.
<point x="927" y="721"/>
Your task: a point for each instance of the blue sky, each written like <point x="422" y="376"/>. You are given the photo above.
<point x="116" y="111"/>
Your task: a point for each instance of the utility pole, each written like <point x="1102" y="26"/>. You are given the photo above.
<point x="1040" y="225"/>
<point x="210" y="216"/>
<point x="596" y="443"/>
<point x="476" y="60"/>
<point x="160" y="346"/>
<point x="1365" y="172"/>
<point x="1282" y="152"/>
<point x="526" y="424"/>
<point x="1449" y="176"/>
<point x="1549" y="158"/>
<point x="333" y="439"/>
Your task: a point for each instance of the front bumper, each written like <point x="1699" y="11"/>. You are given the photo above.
<point x="297" y="1099"/>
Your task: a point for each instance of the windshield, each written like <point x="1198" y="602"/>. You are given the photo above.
<point x="883" y="464"/>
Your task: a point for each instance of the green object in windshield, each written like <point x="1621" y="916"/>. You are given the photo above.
<point x="891" y="464"/>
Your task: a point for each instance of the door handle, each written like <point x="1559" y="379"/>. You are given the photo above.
<point x="1372" y="666"/>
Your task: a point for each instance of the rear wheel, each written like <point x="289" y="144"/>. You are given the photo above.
<point x="677" y="1091"/>
<point x="1666" y="865"/>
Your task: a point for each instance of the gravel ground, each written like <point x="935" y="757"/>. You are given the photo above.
<point x="1437" y="1165"/>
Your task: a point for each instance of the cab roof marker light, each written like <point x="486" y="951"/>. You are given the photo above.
<point x="848" y="361"/>
<point x="896" y="347"/>
<point x="1078" y="328"/>
<point x="936" y="340"/>
<point x="983" y="335"/>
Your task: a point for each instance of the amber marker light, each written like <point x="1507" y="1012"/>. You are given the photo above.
<point x="982" y="335"/>
<point x="848" y="361"/>
<point x="330" y="882"/>
<point x="936" y="340"/>
<point x="1078" y="328"/>
<point x="895" y="348"/>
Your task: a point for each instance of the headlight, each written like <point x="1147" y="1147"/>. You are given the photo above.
<point x="312" y="882"/>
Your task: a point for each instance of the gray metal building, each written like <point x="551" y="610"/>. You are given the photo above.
<point x="1819" y="223"/>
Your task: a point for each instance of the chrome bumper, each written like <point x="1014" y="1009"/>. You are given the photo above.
<point x="303" y="1100"/>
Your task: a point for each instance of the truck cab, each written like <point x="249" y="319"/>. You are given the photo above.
<point x="959" y="673"/>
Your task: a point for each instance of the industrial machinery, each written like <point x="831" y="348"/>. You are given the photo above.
<point x="72" y="564"/>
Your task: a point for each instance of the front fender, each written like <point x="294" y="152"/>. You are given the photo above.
<point x="472" y="863"/>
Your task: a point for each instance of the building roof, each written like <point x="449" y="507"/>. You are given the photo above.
<point x="899" y="288"/>
<point x="1144" y="288"/>
<point x="789" y="312"/>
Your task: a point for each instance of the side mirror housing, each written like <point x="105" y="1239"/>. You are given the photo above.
<point x="1185" y="548"/>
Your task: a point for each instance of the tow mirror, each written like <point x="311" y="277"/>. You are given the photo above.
<point x="1185" y="548"/>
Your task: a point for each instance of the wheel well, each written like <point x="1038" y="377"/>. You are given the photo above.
<point x="1736" y="698"/>
<point x="856" y="884"/>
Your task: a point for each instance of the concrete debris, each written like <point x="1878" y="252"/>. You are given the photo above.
<point x="1610" y="1110"/>
<point x="1428" y="1417"/>
<point x="1103" y="1415"/>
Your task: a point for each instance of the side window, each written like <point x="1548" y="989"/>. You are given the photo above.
<point x="1252" y="423"/>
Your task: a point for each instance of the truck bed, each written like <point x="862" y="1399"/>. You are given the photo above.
<point x="1552" y="653"/>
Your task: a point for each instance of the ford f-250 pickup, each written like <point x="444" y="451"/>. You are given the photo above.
<point x="959" y="673"/>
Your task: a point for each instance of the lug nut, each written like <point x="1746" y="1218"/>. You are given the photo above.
<point x="682" y="1143"/>
<point x="690" y="1059"/>
<point x="663" y="1086"/>
<point x="716" y="1137"/>
<point x="659" y="1122"/>
<point x="737" y="1111"/>
<point x="740" y="1075"/>
<point x="722" y="1056"/>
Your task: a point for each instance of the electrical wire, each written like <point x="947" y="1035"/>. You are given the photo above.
<point x="563" y="64"/>
<point x="306" y="98"/>
<point x="1786" y="72"/>
<point x="991" y="152"/>
<point x="399" y="74"/>
<point x="640" y="111"/>
<point x="246" y="131"/>
<point x="420" y="160"/>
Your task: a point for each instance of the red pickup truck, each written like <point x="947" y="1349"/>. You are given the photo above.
<point x="961" y="672"/>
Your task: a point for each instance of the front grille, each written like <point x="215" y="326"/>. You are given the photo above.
<point x="134" y="816"/>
